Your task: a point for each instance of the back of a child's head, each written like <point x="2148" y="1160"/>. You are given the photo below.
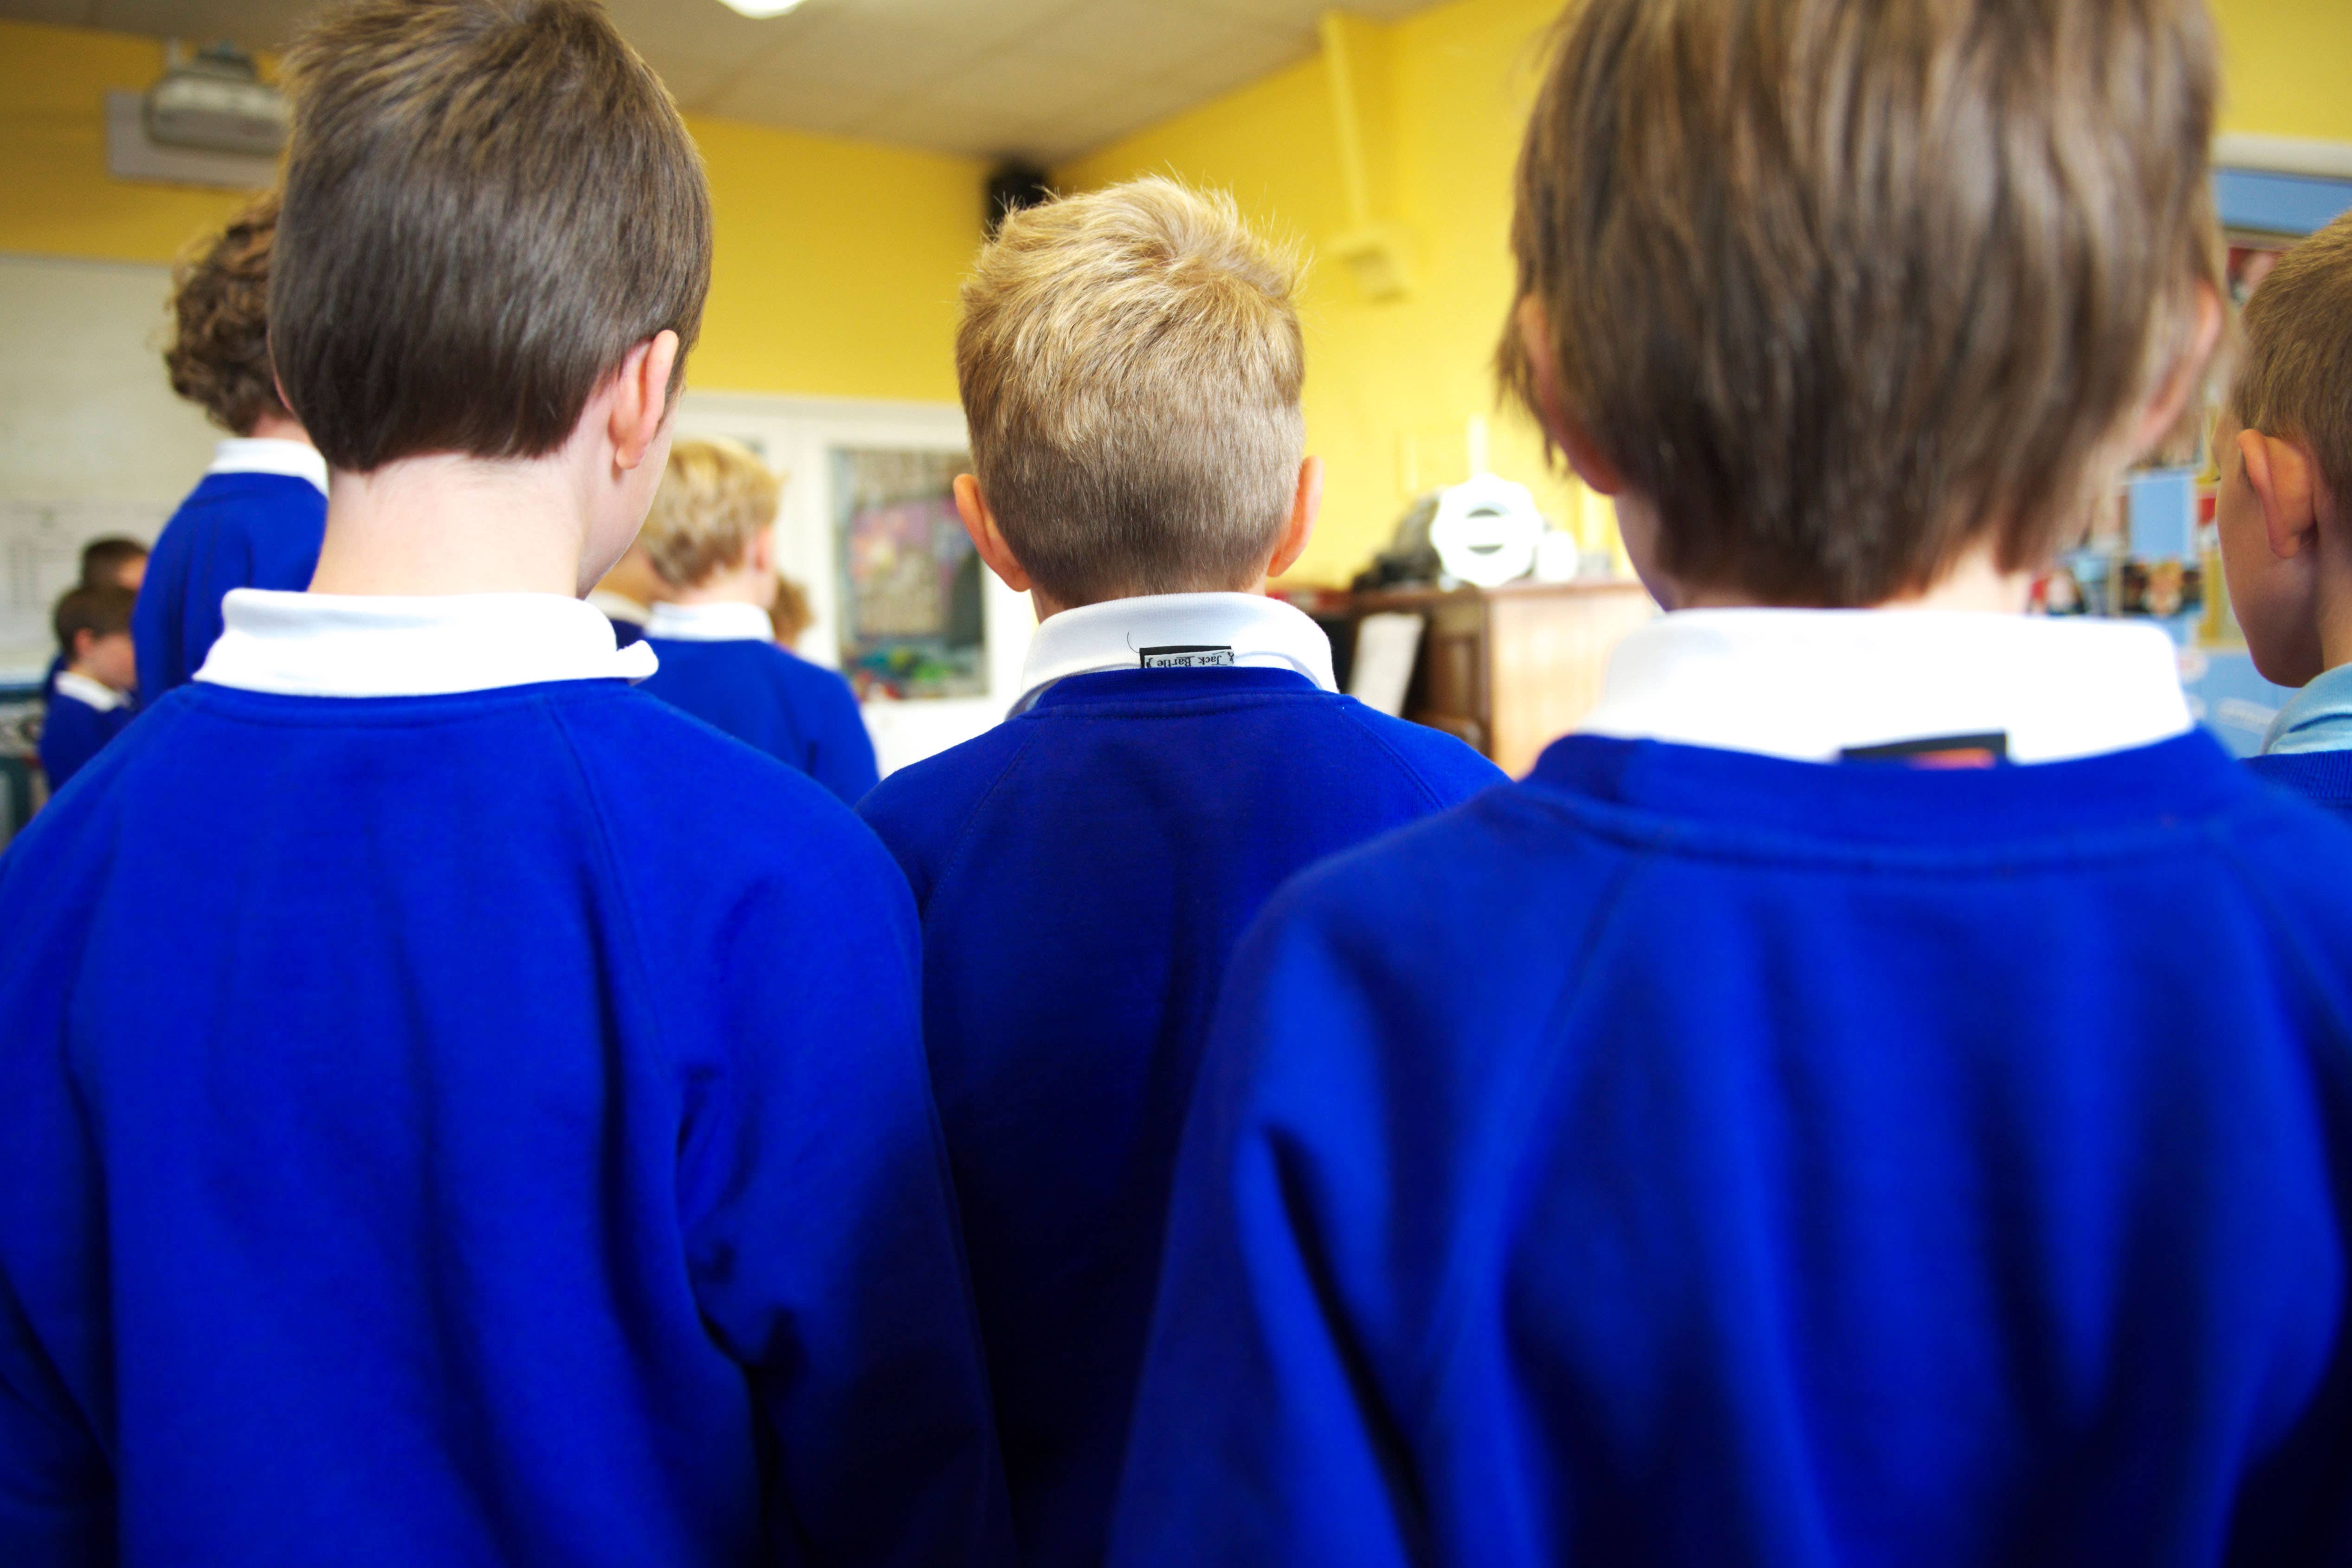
<point x="714" y="499"/>
<point x="1130" y="362"/>
<point x="2295" y="370"/>
<point x="1852" y="290"/>
<point x="219" y="355"/>
<point x="487" y="205"/>
<point x="104" y="561"/>
<point x="102" y="609"/>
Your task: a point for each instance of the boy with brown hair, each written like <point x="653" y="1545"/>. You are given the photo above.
<point x="710" y="538"/>
<point x="2283" y="447"/>
<point x="256" y="519"/>
<point x="453" y="1108"/>
<point x="90" y="697"/>
<point x="1130" y="362"/>
<point x="1880" y="1093"/>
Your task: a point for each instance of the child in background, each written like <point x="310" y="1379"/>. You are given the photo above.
<point x="626" y="595"/>
<point x="256" y="518"/>
<point x="709" y="538"/>
<point x="2285" y="449"/>
<point x="1883" y="1094"/>
<point x="453" y="1108"/>
<point x="1130" y="363"/>
<point x="790" y="612"/>
<point x="113" y="561"/>
<point x="89" y="697"/>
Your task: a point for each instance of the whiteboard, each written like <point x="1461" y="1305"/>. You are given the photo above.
<point x="92" y="440"/>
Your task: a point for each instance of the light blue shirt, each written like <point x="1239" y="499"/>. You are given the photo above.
<point x="2318" y="718"/>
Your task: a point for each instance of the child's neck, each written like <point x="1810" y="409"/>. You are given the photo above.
<point x="77" y="667"/>
<point x="1975" y="584"/>
<point x="451" y="524"/>
<point x="2332" y="593"/>
<point x="746" y="585"/>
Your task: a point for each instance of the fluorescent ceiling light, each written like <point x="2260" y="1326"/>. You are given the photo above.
<point x="759" y="9"/>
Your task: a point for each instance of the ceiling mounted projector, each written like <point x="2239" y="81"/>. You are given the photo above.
<point x="216" y="102"/>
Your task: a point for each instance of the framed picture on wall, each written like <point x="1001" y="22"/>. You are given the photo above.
<point x="912" y="620"/>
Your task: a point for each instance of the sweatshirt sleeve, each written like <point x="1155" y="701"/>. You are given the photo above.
<point x="1265" y="1429"/>
<point x="843" y="761"/>
<point x="820" y="1229"/>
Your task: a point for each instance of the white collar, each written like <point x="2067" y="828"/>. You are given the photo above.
<point x="726" y="621"/>
<point x="1245" y="629"/>
<point x="1808" y="684"/>
<point x="347" y="645"/>
<point x="89" y="693"/>
<point x="268" y="454"/>
<point x="618" y="606"/>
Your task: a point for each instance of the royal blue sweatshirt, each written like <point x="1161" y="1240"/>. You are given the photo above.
<point x="1082" y="872"/>
<point x="2323" y="778"/>
<point x="235" y="530"/>
<point x="72" y="732"/>
<point x="471" y="1129"/>
<point x="799" y="713"/>
<point x="1689" y="1158"/>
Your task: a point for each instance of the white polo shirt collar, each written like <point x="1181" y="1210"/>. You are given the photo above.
<point x="344" y="646"/>
<point x="1810" y="685"/>
<point x="268" y="455"/>
<point x="725" y="621"/>
<point x="89" y="693"/>
<point x="1175" y="631"/>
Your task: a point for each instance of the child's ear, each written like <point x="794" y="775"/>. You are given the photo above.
<point x="2279" y="474"/>
<point x="1305" y="505"/>
<point x="1535" y="339"/>
<point x="641" y="398"/>
<point x="986" y="536"/>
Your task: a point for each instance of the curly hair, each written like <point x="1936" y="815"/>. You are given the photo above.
<point x="219" y="356"/>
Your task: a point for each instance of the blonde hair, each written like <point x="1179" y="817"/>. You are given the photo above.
<point x="1130" y="364"/>
<point x="2295" y="379"/>
<point x="1846" y="290"/>
<point x="715" y="498"/>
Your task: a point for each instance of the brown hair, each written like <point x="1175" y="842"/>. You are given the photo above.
<point x="713" y="500"/>
<point x="1846" y="289"/>
<point x="102" y="560"/>
<point x="1130" y="363"/>
<point x="489" y="202"/>
<point x="790" y="612"/>
<point x="219" y="356"/>
<point x="2294" y="375"/>
<point x="103" y="611"/>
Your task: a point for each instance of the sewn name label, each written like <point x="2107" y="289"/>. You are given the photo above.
<point x="1184" y="656"/>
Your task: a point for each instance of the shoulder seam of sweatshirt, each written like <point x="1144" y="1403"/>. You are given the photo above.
<point x="1356" y="713"/>
<point x="960" y="838"/>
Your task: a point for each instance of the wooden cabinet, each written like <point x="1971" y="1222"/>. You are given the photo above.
<point x="1511" y="669"/>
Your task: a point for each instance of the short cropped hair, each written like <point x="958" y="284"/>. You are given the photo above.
<point x="102" y="560"/>
<point x="714" y="498"/>
<point x="489" y="202"/>
<point x="1850" y="290"/>
<point x="1130" y="363"/>
<point x="103" y="611"/>
<point x="2295" y="368"/>
<point x="219" y="356"/>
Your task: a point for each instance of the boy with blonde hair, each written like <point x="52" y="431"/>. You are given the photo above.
<point x="1880" y="1093"/>
<point x="453" y="1108"/>
<point x="2285" y="449"/>
<point x="256" y="519"/>
<point x="1130" y="363"/>
<point x="710" y="539"/>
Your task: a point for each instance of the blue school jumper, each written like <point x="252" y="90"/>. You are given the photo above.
<point x="73" y="730"/>
<point x="800" y="714"/>
<point x="2309" y="747"/>
<point x="1687" y="1157"/>
<point x="1082" y="872"/>
<point x="239" y="528"/>
<point x="487" y="1127"/>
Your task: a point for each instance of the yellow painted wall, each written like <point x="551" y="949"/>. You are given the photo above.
<point x="2288" y="64"/>
<point x="836" y="261"/>
<point x="1390" y="382"/>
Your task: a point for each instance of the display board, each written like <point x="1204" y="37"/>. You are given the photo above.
<point x="92" y="441"/>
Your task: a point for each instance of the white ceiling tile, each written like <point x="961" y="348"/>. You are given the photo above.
<point x="260" y="24"/>
<point x="767" y="95"/>
<point x="55" y="13"/>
